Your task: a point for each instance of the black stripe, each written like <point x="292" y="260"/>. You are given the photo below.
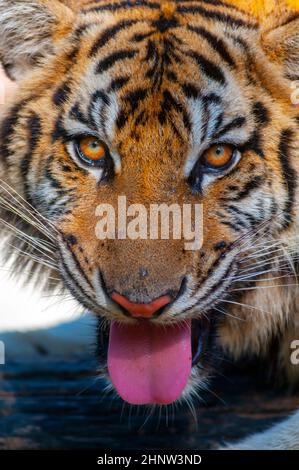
<point x="8" y="127"/>
<point x="253" y="144"/>
<point x="206" y="102"/>
<point x="222" y="245"/>
<point x="61" y="94"/>
<point x="72" y="55"/>
<point x="261" y="113"/>
<point x="292" y="76"/>
<point x="169" y="52"/>
<point x="274" y="206"/>
<point x="289" y="19"/>
<point x="121" y="5"/>
<point x="234" y="124"/>
<point x="81" y="30"/>
<point x="217" y="44"/>
<point x="176" y="131"/>
<point x="250" y="186"/>
<point x="219" y="285"/>
<point x="213" y="288"/>
<point x="121" y="119"/>
<point x="76" y="113"/>
<point x="77" y="293"/>
<point x="34" y="129"/>
<point x="141" y="118"/>
<point x="232" y="187"/>
<point x="234" y="227"/>
<point x="49" y="176"/>
<point x="59" y="131"/>
<point x="169" y="103"/>
<point x="206" y="117"/>
<point x="289" y="174"/>
<point x="139" y="37"/>
<point x="163" y="24"/>
<point x="216" y="3"/>
<point x="118" y="83"/>
<point x="78" y="265"/>
<point x="58" y="209"/>
<point x="171" y="76"/>
<point x="66" y="169"/>
<point x="212" y="98"/>
<point x="160" y="61"/>
<point x="219" y="121"/>
<point x="211" y="70"/>
<point x="191" y="91"/>
<point x="71" y="239"/>
<point x="216" y="15"/>
<point x="134" y="98"/>
<point x="236" y="220"/>
<point x="240" y="42"/>
<point x="249" y="217"/>
<point x="110" y="33"/>
<point x="98" y="95"/>
<point x="152" y="51"/>
<point x="114" y="57"/>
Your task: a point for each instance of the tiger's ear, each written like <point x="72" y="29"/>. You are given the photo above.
<point x="280" y="37"/>
<point x="30" y="29"/>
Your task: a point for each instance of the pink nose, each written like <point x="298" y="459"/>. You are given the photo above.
<point x="141" y="310"/>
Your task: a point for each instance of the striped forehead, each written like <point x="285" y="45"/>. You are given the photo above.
<point x="186" y="69"/>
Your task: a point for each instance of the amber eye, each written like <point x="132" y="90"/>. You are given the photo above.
<point x="91" y="150"/>
<point x="218" y="156"/>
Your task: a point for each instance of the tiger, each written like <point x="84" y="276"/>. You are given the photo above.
<point x="162" y="102"/>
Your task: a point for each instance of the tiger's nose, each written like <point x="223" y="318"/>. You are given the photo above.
<point x="141" y="310"/>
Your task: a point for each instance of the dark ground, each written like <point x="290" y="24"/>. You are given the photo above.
<point x="59" y="405"/>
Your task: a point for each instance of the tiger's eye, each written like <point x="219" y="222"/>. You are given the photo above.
<point x="91" y="149"/>
<point x="218" y="156"/>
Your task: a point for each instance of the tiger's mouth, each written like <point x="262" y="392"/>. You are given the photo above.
<point x="149" y="363"/>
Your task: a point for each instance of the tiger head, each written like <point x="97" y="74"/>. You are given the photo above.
<point x="169" y="104"/>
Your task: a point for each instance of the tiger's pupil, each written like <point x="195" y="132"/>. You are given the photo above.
<point x="94" y="145"/>
<point x="219" y="151"/>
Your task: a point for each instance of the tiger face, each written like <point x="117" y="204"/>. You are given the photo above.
<point x="164" y="103"/>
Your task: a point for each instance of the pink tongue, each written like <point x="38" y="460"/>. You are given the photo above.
<point x="149" y="363"/>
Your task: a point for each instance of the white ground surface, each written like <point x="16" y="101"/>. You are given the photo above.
<point x="30" y="321"/>
<point x="26" y="308"/>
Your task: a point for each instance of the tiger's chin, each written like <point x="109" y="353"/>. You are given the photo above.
<point x="150" y="364"/>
